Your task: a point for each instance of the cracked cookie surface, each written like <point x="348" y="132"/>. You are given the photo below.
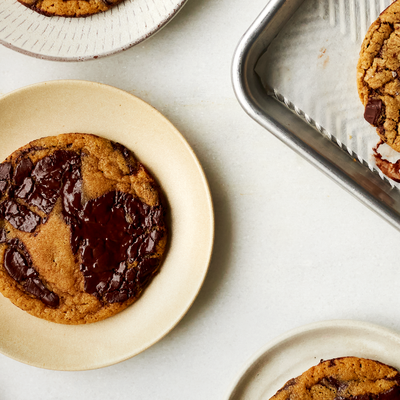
<point x="69" y="8"/>
<point x="344" y="378"/>
<point x="82" y="230"/>
<point x="378" y="75"/>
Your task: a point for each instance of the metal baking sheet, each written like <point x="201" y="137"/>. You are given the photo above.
<point x="314" y="70"/>
<point x="267" y="63"/>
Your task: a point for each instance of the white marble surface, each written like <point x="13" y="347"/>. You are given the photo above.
<point x="291" y="246"/>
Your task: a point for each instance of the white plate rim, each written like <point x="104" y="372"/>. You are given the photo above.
<point x="336" y="323"/>
<point x="211" y="230"/>
<point x="140" y="39"/>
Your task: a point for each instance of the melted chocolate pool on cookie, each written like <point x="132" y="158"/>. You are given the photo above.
<point x="114" y="236"/>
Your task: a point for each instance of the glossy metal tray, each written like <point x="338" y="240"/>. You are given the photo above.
<point x="303" y="135"/>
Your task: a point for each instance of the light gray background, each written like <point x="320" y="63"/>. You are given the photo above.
<point x="291" y="246"/>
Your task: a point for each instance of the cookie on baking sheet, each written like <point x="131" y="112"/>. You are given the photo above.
<point x="344" y="378"/>
<point x="69" y="8"/>
<point x="82" y="229"/>
<point x="378" y="75"/>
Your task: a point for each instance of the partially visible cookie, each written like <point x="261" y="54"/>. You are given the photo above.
<point x="82" y="228"/>
<point x="69" y="8"/>
<point x="378" y="75"/>
<point x="344" y="378"/>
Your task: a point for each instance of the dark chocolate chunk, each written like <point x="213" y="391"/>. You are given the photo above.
<point x="20" y="217"/>
<point x="44" y="199"/>
<point x="50" y="169"/>
<point x="116" y="297"/>
<point x="49" y="174"/>
<point x="373" y="111"/>
<point x="19" y="267"/>
<point x="3" y="185"/>
<point x="16" y="265"/>
<point x="72" y="193"/>
<point x="23" y="170"/>
<point x="126" y="154"/>
<point x="391" y="394"/>
<point x="289" y="383"/>
<point x="122" y="149"/>
<point x="35" y="286"/>
<point x="334" y="383"/>
<point x="5" y="171"/>
<point x="25" y="189"/>
<point x="146" y="269"/>
<point x="332" y="362"/>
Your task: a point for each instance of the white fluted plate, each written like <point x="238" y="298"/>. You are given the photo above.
<point x="78" y="39"/>
<point x="293" y="353"/>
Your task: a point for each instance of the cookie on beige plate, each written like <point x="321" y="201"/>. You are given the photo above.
<point x="82" y="230"/>
<point x="344" y="378"/>
<point x="378" y="75"/>
<point x="69" y="8"/>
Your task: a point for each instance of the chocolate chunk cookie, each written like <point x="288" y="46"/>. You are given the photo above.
<point x="378" y="75"/>
<point x="69" y="8"/>
<point x="345" y="378"/>
<point x="82" y="230"/>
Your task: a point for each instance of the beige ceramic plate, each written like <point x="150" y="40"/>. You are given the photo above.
<point x="77" y="106"/>
<point x="293" y="353"/>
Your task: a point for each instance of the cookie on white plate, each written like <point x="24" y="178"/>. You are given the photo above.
<point x="69" y="8"/>
<point x="344" y="378"/>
